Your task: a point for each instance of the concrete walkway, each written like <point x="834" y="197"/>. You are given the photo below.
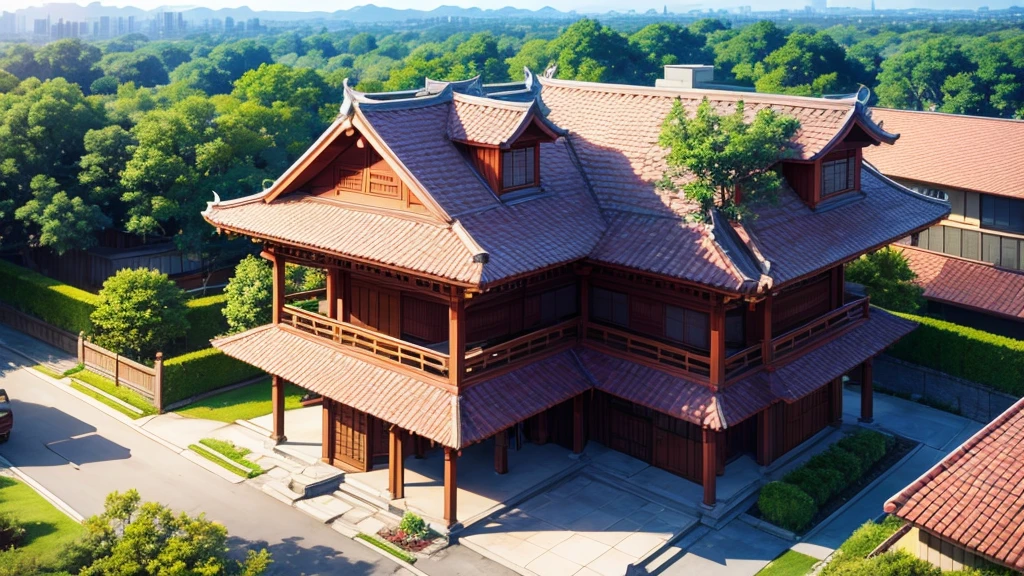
<point x="36" y="350"/>
<point x="741" y="550"/>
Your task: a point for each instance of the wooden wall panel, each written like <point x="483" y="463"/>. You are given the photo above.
<point x="801" y="179"/>
<point x="647" y="316"/>
<point x="801" y="420"/>
<point x="359" y="175"/>
<point x="351" y="438"/>
<point x="376" y="308"/>
<point x="424" y="320"/>
<point x="795" y="306"/>
<point x="487" y="162"/>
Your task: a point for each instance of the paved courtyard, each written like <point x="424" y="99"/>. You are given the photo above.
<point x="583" y="526"/>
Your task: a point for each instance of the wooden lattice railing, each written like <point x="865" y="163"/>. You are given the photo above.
<point x="482" y="360"/>
<point x="667" y="355"/>
<point x="837" y="319"/>
<point x="738" y="363"/>
<point x="367" y="341"/>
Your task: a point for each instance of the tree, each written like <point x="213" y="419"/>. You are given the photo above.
<point x="588" y="51"/>
<point x="250" y="294"/>
<point x="140" y="312"/>
<point x="807" y="64"/>
<point x="70" y="59"/>
<point x="107" y="152"/>
<point x="715" y="155"/>
<point x="362" y="43"/>
<point x="888" y="278"/>
<point x="139" y="67"/>
<point x="60" y="221"/>
<point x="737" y="56"/>
<point x="132" y="538"/>
<point x="913" y="78"/>
<point x="668" y="44"/>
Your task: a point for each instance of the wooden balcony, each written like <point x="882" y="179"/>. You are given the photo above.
<point x="648" y="351"/>
<point x="819" y="328"/>
<point x="482" y="361"/>
<point x="375" y="344"/>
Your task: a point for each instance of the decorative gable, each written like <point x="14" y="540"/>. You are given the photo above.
<point x="360" y="175"/>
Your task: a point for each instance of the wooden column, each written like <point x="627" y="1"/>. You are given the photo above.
<point x="501" y="452"/>
<point x="326" y="450"/>
<point x="578" y="439"/>
<point x="396" y="464"/>
<point x="451" y="457"/>
<point x="765" y="437"/>
<point x="418" y="447"/>
<point x="718" y="346"/>
<point x="279" y="288"/>
<point x="767" y="354"/>
<point x="867" y="400"/>
<point x="835" y="399"/>
<point x="345" y="310"/>
<point x="710" y="467"/>
<point x="277" y="400"/>
<point x="456" y="338"/>
<point x="540" y="428"/>
<point x="333" y="292"/>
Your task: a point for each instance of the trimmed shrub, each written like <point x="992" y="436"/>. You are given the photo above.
<point x="206" y="321"/>
<point x="140" y="312"/>
<point x="869" y="536"/>
<point x="820" y="485"/>
<point x="12" y="533"/>
<point x="202" y="371"/>
<point x="63" y="306"/>
<point x="786" y="505"/>
<point x="413" y="525"/>
<point x="835" y="458"/>
<point x="964" y="352"/>
<point x="867" y="445"/>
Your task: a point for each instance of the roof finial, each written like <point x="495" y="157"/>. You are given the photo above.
<point x="348" y="104"/>
<point x="550" y="71"/>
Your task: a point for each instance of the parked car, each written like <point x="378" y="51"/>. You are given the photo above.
<point x="6" y="416"/>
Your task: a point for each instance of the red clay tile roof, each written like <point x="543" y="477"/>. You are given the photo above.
<point x="327" y="225"/>
<point x="487" y="120"/>
<point x="974" y="497"/>
<point x="967" y="152"/>
<point x="967" y="283"/>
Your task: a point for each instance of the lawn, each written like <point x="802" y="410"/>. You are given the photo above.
<point x="120" y="392"/>
<point x="48" y="529"/>
<point x="790" y="563"/>
<point x="242" y="403"/>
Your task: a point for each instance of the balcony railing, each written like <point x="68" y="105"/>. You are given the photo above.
<point x="367" y="341"/>
<point x="835" y="320"/>
<point x="739" y="363"/>
<point x="660" y="353"/>
<point x="481" y="361"/>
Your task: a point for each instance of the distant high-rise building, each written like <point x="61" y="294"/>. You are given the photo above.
<point x="131" y="24"/>
<point x="229" y="24"/>
<point x="180" y="27"/>
<point x="169" y="23"/>
<point x="7" y="23"/>
<point x="40" y="27"/>
<point x="105" y="26"/>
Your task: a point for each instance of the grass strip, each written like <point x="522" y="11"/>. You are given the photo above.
<point x="231" y="452"/>
<point x="93" y="394"/>
<point x="790" y="563"/>
<point x="123" y="393"/>
<point x="388" y="547"/>
<point x="48" y="530"/>
<point x="243" y="403"/>
<point x="74" y="370"/>
<point x="221" y="462"/>
<point x="48" y="371"/>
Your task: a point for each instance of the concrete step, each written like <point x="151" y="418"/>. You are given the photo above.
<point x="365" y="494"/>
<point x="296" y="455"/>
<point x="325" y="508"/>
<point x="279" y="489"/>
<point x="316" y="480"/>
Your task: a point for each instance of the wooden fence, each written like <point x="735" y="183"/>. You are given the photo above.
<point x="124" y="371"/>
<point x="39" y="329"/>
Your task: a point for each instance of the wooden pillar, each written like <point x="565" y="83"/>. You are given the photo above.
<point x="856" y="171"/>
<point x="456" y="338"/>
<point x="345" y="280"/>
<point x="540" y="428"/>
<point x="279" y="288"/>
<point x="158" y="383"/>
<point x="327" y="414"/>
<point x="718" y="346"/>
<point x="501" y="452"/>
<point x="867" y="400"/>
<point x="277" y="400"/>
<point x="835" y="400"/>
<point x="710" y="467"/>
<point x="418" y="447"/>
<point x="333" y="281"/>
<point x="451" y="488"/>
<point x="578" y="433"/>
<point x="767" y="354"/>
<point x="396" y="464"/>
<point x="765" y="436"/>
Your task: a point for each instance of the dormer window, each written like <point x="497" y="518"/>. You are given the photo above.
<point x="838" y="173"/>
<point x="519" y="168"/>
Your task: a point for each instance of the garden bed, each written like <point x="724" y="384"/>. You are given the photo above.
<point x="790" y="494"/>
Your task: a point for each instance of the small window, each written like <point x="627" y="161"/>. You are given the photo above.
<point x="838" y="175"/>
<point x="690" y="327"/>
<point x="558" y="304"/>
<point x="518" y="168"/>
<point x="610" y="307"/>
<point x="1002" y="213"/>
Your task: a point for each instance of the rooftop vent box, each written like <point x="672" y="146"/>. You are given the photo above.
<point x="686" y="76"/>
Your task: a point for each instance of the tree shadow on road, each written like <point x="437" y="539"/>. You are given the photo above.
<point x="293" y="559"/>
<point x="47" y="436"/>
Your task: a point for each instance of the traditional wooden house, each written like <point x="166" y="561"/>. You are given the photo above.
<point x="501" y="254"/>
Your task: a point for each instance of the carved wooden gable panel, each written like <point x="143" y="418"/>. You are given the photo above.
<point x="359" y="175"/>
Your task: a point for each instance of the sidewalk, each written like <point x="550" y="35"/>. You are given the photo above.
<point x="741" y="550"/>
<point x="38" y="351"/>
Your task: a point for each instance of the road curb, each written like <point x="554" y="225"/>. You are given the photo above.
<point x="46" y="494"/>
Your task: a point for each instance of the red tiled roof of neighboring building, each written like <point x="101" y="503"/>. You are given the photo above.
<point x="974" y="497"/>
<point x="967" y="283"/>
<point x="966" y="152"/>
<point x="417" y="245"/>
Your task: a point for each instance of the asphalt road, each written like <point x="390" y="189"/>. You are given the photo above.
<point x="81" y="454"/>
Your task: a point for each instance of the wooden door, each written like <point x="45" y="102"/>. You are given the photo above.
<point x="678" y="454"/>
<point x="377" y="308"/>
<point x="381" y="433"/>
<point x="352" y="438"/>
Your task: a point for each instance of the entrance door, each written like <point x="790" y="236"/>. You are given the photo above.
<point x="352" y="438"/>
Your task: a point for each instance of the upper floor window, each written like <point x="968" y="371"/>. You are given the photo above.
<point x="690" y="327"/>
<point x="1002" y="213"/>
<point x="519" y="168"/>
<point x="735" y="328"/>
<point x="838" y="174"/>
<point x="609" y="306"/>
<point x="558" y="304"/>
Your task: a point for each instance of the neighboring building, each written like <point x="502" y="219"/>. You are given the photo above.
<point x="500" y="256"/>
<point x="968" y="510"/>
<point x="983" y="179"/>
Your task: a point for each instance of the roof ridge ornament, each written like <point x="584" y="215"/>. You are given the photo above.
<point x="211" y="205"/>
<point x="348" y="104"/>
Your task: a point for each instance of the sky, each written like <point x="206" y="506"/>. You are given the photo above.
<point x="332" y="5"/>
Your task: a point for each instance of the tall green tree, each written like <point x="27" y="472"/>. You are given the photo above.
<point x="140" y="312"/>
<point x="57" y="220"/>
<point x="735" y="57"/>
<point x="808" y="65"/>
<point x="250" y="294"/>
<point x="711" y="155"/>
<point x="668" y="44"/>
<point x="889" y="280"/>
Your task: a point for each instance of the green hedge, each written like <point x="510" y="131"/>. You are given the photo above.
<point x="786" y="505"/>
<point x="205" y="320"/>
<point x="63" y="306"/>
<point x="989" y="359"/>
<point x="202" y="371"/>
